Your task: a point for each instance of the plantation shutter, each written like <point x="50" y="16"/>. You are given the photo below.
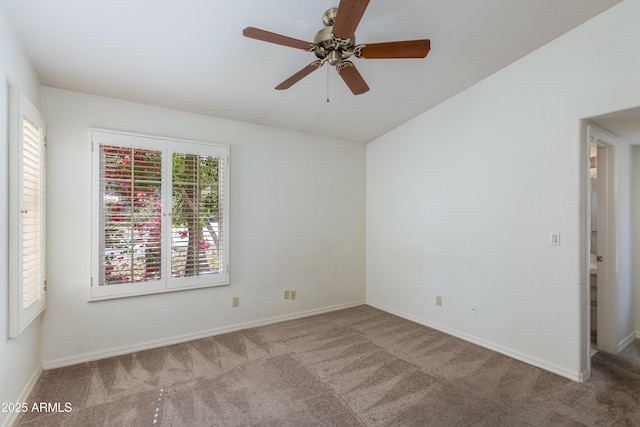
<point x="197" y="238"/>
<point x="27" y="272"/>
<point x="130" y="214"/>
<point x="33" y="219"/>
<point x="160" y="218"/>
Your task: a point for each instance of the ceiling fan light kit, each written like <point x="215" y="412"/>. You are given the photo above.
<point x="335" y="44"/>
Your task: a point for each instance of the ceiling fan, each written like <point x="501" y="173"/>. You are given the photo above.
<point x="336" y="43"/>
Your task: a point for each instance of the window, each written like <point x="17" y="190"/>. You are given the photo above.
<point x="160" y="215"/>
<point x="27" y="207"/>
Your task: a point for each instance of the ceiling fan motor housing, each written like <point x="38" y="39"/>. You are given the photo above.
<point x="329" y="16"/>
<point x="330" y="48"/>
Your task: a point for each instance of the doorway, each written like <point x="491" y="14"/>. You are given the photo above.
<point x="593" y="253"/>
<point x="602" y="242"/>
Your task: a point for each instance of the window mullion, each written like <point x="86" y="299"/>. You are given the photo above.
<point x="167" y="210"/>
<point x="196" y="195"/>
<point x="132" y="215"/>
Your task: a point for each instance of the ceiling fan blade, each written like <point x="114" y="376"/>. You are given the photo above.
<point x="403" y="49"/>
<point x="349" y="15"/>
<point x="352" y="78"/>
<point x="299" y="75"/>
<point x="267" y="36"/>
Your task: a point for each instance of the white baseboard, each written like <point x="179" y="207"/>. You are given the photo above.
<point x="543" y="364"/>
<point x="584" y="376"/>
<point x="11" y="418"/>
<point x="625" y="342"/>
<point x="147" y="345"/>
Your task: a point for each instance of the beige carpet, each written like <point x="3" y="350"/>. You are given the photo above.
<point x="355" y="367"/>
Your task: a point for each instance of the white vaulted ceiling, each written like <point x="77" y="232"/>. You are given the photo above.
<point x="190" y="55"/>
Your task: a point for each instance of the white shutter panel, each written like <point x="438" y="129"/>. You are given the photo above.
<point x="27" y="272"/>
<point x="130" y="215"/>
<point x="197" y="248"/>
<point x="199" y="218"/>
<point x="33" y="221"/>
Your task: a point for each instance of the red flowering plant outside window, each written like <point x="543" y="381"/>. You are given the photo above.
<point x="131" y="206"/>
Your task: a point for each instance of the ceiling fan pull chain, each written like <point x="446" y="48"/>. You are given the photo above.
<point x="327" y="84"/>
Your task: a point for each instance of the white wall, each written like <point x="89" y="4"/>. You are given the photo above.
<point x="20" y="356"/>
<point x="297" y="222"/>
<point x="626" y="294"/>
<point x="461" y="200"/>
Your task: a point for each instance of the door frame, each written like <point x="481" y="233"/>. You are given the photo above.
<point x="607" y="286"/>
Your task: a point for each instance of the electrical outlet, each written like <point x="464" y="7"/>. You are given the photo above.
<point x="293" y="294"/>
<point x="474" y="310"/>
<point x="235" y="301"/>
<point x="286" y="295"/>
<point x="439" y="301"/>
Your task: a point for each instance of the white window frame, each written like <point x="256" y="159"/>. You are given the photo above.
<point x="23" y="273"/>
<point x="167" y="146"/>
